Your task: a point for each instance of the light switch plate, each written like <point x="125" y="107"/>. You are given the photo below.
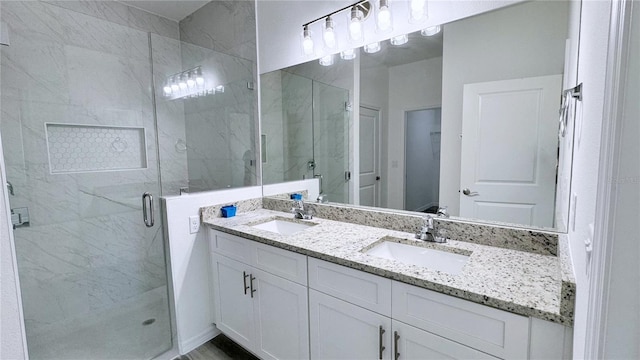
<point x="194" y="224"/>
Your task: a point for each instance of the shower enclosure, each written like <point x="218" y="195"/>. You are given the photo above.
<point x="305" y="132"/>
<point x="90" y="143"/>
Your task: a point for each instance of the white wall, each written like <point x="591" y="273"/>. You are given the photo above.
<point x="411" y="87"/>
<point x="374" y="93"/>
<point x="594" y="32"/>
<point x="280" y="25"/>
<point x="622" y="326"/>
<point x="190" y="266"/>
<point x="476" y="50"/>
<point x="13" y="343"/>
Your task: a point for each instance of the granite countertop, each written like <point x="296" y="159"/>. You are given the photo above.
<point x="520" y="282"/>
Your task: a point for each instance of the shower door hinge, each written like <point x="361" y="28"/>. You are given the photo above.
<point x="347" y="175"/>
<point x="250" y="85"/>
<point x="19" y="217"/>
<point x="348" y="106"/>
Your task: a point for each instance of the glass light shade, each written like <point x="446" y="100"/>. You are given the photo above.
<point x="372" y="48"/>
<point x="307" y="41"/>
<point x="174" y="86"/>
<point x="417" y="8"/>
<point x="191" y="81"/>
<point x="219" y="89"/>
<point x="329" y="34"/>
<point x="326" y="60"/>
<point x="399" y="40"/>
<point x="384" y="18"/>
<point x="430" y="31"/>
<point x="199" y="77"/>
<point x="355" y="25"/>
<point x="348" y="54"/>
<point x="167" y="90"/>
<point x="183" y="82"/>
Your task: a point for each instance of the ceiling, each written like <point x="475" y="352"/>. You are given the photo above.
<point x="174" y="10"/>
<point x="417" y="48"/>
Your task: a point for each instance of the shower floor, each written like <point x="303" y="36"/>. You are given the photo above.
<point x="115" y="334"/>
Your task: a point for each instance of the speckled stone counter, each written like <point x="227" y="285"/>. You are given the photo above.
<point x="521" y="282"/>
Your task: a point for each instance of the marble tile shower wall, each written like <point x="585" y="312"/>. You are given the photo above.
<point x="272" y="127"/>
<point x="221" y="132"/>
<point x="297" y="123"/>
<point x="85" y="250"/>
<point x="220" y="128"/>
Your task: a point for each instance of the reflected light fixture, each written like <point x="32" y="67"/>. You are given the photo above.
<point x="383" y="18"/>
<point x="430" y="31"/>
<point x="326" y="60"/>
<point x="399" y="40"/>
<point x="329" y="34"/>
<point x="348" y="54"/>
<point x="188" y="84"/>
<point x="307" y="41"/>
<point x="417" y="9"/>
<point x="372" y="48"/>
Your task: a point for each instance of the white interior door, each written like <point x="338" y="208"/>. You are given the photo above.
<point x="510" y="150"/>
<point x="369" y="156"/>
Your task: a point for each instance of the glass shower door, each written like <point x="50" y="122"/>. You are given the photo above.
<point x="80" y="150"/>
<point x="331" y="139"/>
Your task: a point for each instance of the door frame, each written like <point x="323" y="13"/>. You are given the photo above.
<point x="377" y="109"/>
<point x="404" y="146"/>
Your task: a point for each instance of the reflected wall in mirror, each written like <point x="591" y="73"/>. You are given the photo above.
<point x="466" y="118"/>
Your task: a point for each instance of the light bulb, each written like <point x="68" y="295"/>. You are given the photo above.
<point x="348" y="54"/>
<point x="326" y="60"/>
<point x="199" y="78"/>
<point x="307" y="41"/>
<point x="174" y="86"/>
<point x="417" y="9"/>
<point x="384" y="16"/>
<point x="167" y="90"/>
<point x="430" y="31"/>
<point x="372" y="48"/>
<point x="191" y="82"/>
<point x="399" y="40"/>
<point x="355" y="25"/>
<point x="183" y="82"/>
<point x="329" y="34"/>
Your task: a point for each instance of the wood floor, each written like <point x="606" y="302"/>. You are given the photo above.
<point x="220" y="348"/>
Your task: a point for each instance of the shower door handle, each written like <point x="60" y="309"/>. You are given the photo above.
<point x="147" y="209"/>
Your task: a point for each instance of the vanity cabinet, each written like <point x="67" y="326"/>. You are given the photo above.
<point x="265" y="313"/>
<point x="282" y="305"/>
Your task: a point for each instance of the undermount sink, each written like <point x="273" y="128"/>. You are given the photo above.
<point x="443" y="261"/>
<point x="282" y="227"/>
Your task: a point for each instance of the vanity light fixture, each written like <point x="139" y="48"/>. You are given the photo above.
<point x="417" y="10"/>
<point x="329" y="34"/>
<point x="307" y="41"/>
<point x="399" y="40"/>
<point x="430" y="31"/>
<point x="188" y="84"/>
<point x="372" y="48"/>
<point x="326" y="60"/>
<point x="383" y="18"/>
<point x="348" y="54"/>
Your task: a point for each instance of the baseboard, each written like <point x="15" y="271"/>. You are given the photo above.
<point x="191" y="344"/>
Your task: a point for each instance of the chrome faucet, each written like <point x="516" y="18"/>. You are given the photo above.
<point x="301" y="211"/>
<point x="429" y="233"/>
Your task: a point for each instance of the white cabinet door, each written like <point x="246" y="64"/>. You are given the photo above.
<point x="415" y="344"/>
<point x="234" y="305"/>
<point x="282" y="317"/>
<point x="340" y="330"/>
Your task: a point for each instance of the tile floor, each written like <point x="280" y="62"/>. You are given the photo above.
<point x="220" y="348"/>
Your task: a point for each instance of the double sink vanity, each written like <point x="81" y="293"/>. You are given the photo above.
<point x="349" y="284"/>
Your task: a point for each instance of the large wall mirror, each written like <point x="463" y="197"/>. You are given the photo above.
<point x="466" y="117"/>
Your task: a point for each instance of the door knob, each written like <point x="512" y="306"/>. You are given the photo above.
<point x="468" y="192"/>
<point x="377" y="178"/>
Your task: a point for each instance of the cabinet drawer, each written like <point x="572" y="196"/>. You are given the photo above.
<point x="490" y="330"/>
<point x="283" y="263"/>
<point x="232" y="246"/>
<point x="357" y="287"/>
